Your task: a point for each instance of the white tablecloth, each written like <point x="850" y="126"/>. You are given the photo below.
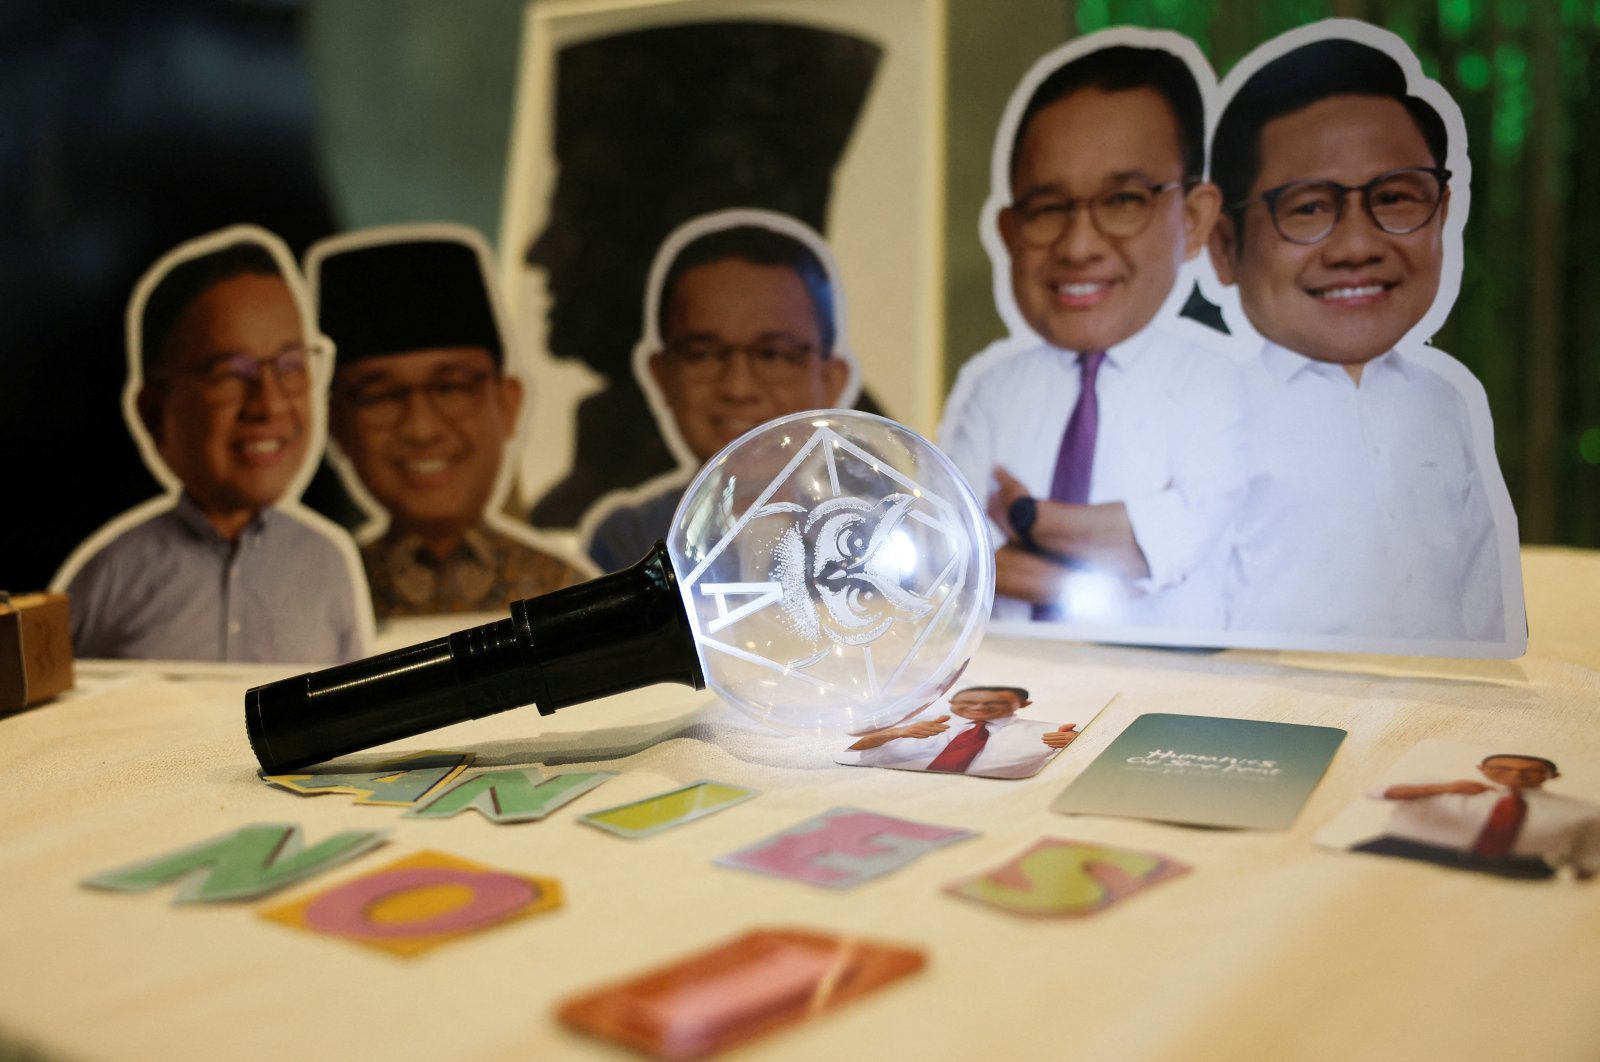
<point x="1271" y="948"/>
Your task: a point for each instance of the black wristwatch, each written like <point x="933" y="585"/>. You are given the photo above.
<point x="1022" y="513"/>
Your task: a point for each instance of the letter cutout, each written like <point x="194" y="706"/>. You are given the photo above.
<point x="510" y="796"/>
<point x="703" y="1004"/>
<point x="417" y="903"/>
<point x="842" y="847"/>
<point x="1058" y="878"/>
<point x="400" y="783"/>
<point x="249" y="862"/>
<point x="652" y="815"/>
<point x="764" y="594"/>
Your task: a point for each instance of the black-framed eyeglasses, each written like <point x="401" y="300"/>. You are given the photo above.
<point x="773" y="359"/>
<point x="1118" y="213"/>
<point x="226" y="380"/>
<point x="1399" y="202"/>
<point x="454" y="395"/>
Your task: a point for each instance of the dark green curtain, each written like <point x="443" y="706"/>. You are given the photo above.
<point x="1527" y="321"/>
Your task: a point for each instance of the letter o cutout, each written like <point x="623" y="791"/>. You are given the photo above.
<point x="494" y="896"/>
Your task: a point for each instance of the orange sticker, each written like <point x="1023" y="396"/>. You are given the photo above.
<point x="738" y="991"/>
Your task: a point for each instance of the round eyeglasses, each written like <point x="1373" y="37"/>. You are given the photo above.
<point x="454" y="395"/>
<point x="1117" y="213"/>
<point x="1399" y="202"/>
<point x="228" y="379"/>
<point x="772" y="359"/>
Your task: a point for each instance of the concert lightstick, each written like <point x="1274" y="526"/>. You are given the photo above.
<point x="826" y="571"/>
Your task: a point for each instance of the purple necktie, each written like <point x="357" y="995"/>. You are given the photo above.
<point x="1076" y="460"/>
<point x="1075" y="463"/>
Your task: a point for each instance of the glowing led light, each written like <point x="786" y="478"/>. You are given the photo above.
<point x="1093" y="596"/>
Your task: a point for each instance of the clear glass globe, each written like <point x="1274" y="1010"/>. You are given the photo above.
<point x="836" y="570"/>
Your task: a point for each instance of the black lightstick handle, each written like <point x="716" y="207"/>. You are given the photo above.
<point x="605" y="636"/>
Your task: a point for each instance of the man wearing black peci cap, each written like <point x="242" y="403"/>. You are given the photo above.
<point x="423" y="410"/>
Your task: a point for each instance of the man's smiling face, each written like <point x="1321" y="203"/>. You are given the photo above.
<point x="1517" y="772"/>
<point x="983" y="704"/>
<point x="1352" y="295"/>
<point x="235" y="453"/>
<point x="717" y="394"/>
<point x="1085" y="290"/>
<point x="425" y="431"/>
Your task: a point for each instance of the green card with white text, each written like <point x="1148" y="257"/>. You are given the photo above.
<point x="1205" y="771"/>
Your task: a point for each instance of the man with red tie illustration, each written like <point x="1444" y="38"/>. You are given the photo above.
<point x="1507" y="824"/>
<point x="986" y="739"/>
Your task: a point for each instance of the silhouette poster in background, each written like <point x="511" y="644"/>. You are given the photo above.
<point x="745" y="321"/>
<point x="631" y="120"/>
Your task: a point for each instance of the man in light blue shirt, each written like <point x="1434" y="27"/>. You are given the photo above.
<point x="223" y="387"/>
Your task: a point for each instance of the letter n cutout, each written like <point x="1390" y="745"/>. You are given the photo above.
<point x="251" y="861"/>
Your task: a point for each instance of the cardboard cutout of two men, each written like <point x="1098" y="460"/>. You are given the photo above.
<point x="1322" y="478"/>
<point x="228" y="395"/>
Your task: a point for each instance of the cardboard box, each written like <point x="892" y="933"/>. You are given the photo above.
<point x="35" y="649"/>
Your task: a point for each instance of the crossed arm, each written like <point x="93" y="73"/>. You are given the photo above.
<point x="1074" y="536"/>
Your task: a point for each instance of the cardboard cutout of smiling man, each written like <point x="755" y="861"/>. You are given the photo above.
<point x="744" y="323"/>
<point x="1106" y="434"/>
<point x="425" y="403"/>
<point x="225" y="397"/>
<point x="1376" y="516"/>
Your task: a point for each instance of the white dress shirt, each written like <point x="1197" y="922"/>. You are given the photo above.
<point x="1015" y="748"/>
<point x="1170" y="447"/>
<point x="1560" y="830"/>
<point x="1365" y="512"/>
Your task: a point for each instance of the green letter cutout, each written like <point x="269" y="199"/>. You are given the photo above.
<point x="400" y="783"/>
<point x="511" y="796"/>
<point x="249" y="862"/>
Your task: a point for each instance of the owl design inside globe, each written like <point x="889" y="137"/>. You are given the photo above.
<point x="850" y="556"/>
